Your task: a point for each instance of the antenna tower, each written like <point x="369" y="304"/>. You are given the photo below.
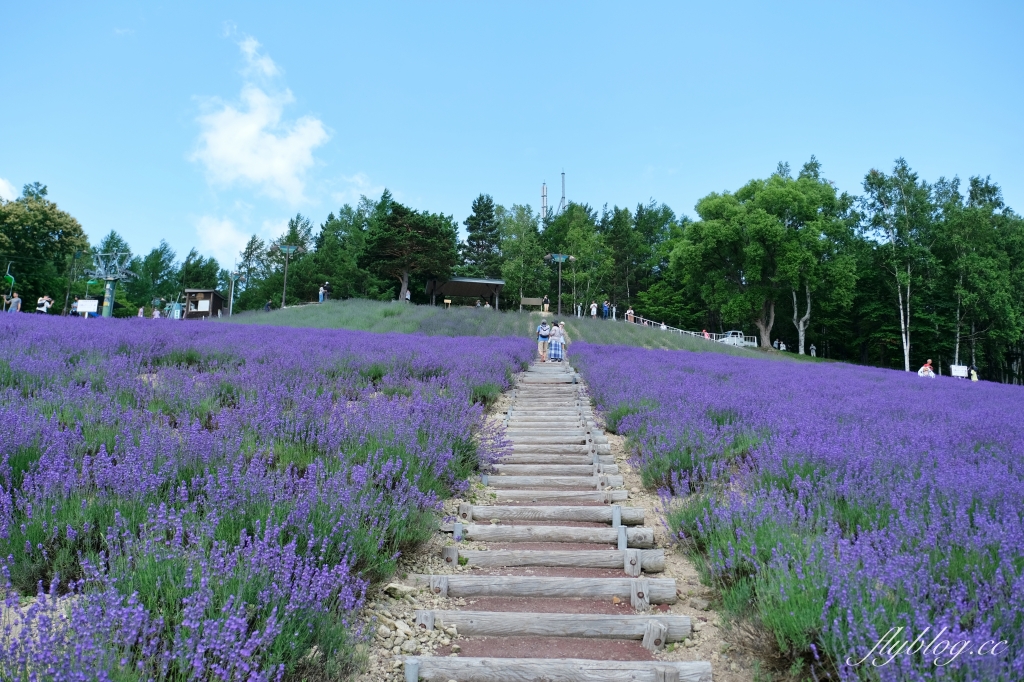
<point x="561" y="204"/>
<point x="543" y="201"/>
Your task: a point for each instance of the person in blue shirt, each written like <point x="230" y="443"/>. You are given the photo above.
<point x="543" y="335"/>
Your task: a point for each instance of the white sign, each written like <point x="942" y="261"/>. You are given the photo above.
<point x="204" y="306"/>
<point x="959" y="371"/>
<point x="87" y="306"/>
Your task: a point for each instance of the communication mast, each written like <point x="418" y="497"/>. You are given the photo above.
<point x="112" y="268"/>
<point x="544" y="201"/>
<point x="561" y="204"/>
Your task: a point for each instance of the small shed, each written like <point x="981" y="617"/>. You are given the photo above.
<point x="203" y="303"/>
<point x="488" y="289"/>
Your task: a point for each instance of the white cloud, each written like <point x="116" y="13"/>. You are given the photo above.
<point x="7" y="191"/>
<point x="259" y="64"/>
<point x="220" y="238"/>
<point x="248" y="142"/>
<point x="356" y="186"/>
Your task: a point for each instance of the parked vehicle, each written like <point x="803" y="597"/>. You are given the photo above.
<point x="736" y="338"/>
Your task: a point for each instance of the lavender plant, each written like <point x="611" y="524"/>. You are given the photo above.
<point x="837" y="503"/>
<point x="183" y="501"/>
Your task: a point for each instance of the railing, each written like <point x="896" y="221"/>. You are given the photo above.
<point x="707" y="336"/>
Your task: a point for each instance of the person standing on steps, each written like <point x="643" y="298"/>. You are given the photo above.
<point x="593" y="310"/>
<point x="555" y="342"/>
<point x="814" y="351"/>
<point x="543" y="336"/>
<point x="546" y="302"/>
<point x="565" y="340"/>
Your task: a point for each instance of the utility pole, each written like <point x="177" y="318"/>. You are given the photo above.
<point x="559" y="258"/>
<point x="287" y="250"/>
<point x="231" y="297"/>
<point x="71" y="277"/>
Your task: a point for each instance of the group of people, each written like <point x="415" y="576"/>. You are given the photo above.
<point x="551" y="341"/>
<point x="12" y="303"/>
<point x="325" y="291"/>
<point x="605" y="309"/>
<point x="928" y="371"/>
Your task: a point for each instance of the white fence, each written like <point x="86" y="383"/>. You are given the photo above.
<point x="729" y="339"/>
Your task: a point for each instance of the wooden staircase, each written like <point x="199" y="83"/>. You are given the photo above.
<point x="560" y="485"/>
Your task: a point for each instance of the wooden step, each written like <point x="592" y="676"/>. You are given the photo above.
<point x="560" y="448"/>
<point x="554" y="469"/>
<point x="534" y="495"/>
<point x="653" y="590"/>
<point x="651" y="560"/>
<point x="554" y="458"/>
<point x="593" y="626"/>
<point x="555" y="482"/>
<point x="467" y="669"/>
<point x="629" y="516"/>
<point x="641" y="538"/>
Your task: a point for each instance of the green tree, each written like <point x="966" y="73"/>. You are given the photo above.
<point x="731" y="257"/>
<point x="819" y="227"/>
<point x="39" y="241"/>
<point x="970" y="242"/>
<point x="402" y="242"/>
<point x="522" y="256"/>
<point x="156" y="276"/>
<point x="899" y="212"/>
<point x="199" y="272"/>
<point x="481" y="252"/>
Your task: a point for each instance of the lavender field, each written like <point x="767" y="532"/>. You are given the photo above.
<point x="210" y="502"/>
<point x="833" y="503"/>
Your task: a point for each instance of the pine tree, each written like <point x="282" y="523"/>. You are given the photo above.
<point x="481" y="252"/>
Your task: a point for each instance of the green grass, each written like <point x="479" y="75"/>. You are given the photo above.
<point x="392" y="316"/>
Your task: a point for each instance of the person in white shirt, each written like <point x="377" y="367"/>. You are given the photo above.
<point x="43" y="304"/>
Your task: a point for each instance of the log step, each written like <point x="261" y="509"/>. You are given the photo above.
<point x="554" y="458"/>
<point x="468" y="669"/>
<point x="653" y="590"/>
<point x="534" y="495"/>
<point x="651" y="560"/>
<point x="594" y="626"/>
<point x="554" y="469"/>
<point x="537" y="448"/>
<point x="555" y="482"/>
<point x="642" y="538"/>
<point x="629" y="516"/>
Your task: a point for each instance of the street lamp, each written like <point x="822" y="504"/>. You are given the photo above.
<point x="287" y="250"/>
<point x="559" y="258"/>
<point x="231" y="296"/>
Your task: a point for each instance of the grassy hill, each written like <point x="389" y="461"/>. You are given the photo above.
<point x="391" y="316"/>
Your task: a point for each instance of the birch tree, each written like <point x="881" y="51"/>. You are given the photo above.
<point x="898" y="212"/>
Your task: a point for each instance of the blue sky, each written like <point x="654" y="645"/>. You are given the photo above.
<point x="203" y="123"/>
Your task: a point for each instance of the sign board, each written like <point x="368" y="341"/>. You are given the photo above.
<point x="203" y="306"/>
<point x="88" y="306"/>
<point x="559" y="257"/>
<point x="958" y="371"/>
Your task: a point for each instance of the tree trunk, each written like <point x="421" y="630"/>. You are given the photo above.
<point x="956" y="347"/>
<point x="404" y="279"/>
<point x="974" y="360"/>
<point x="765" y="322"/>
<point x="904" y="320"/>
<point x="803" y="322"/>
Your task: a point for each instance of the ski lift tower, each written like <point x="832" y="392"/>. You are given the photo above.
<point x="111" y="268"/>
